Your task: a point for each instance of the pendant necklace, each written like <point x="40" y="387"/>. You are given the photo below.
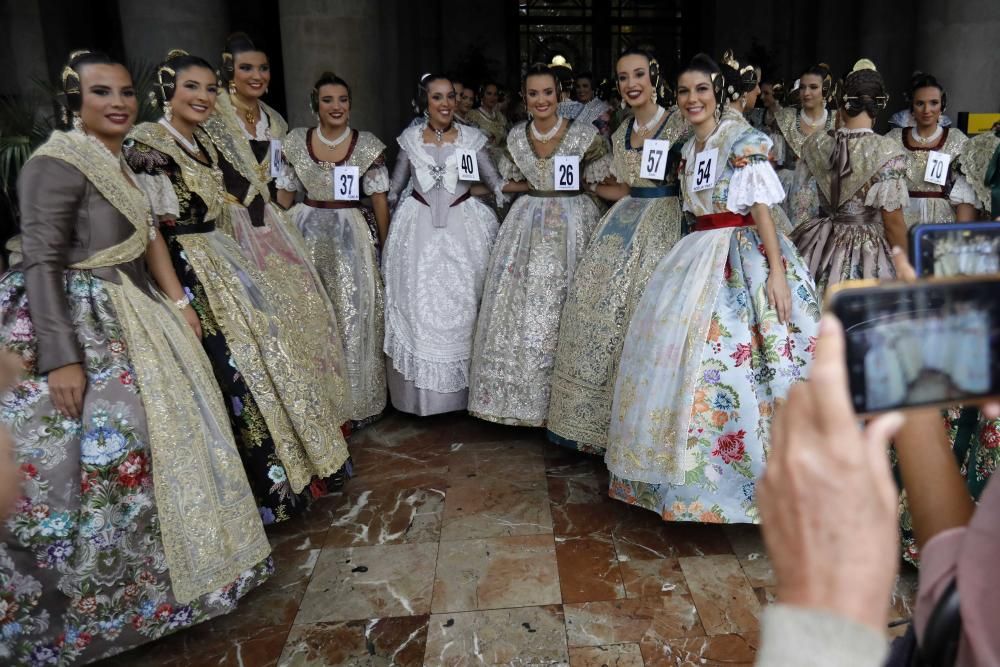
<point x="642" y="129"/>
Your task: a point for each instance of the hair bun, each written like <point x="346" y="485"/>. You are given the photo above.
<point x="863" y="64"/>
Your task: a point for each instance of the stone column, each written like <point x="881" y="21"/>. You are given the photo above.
<point x="956" y="42"/>
<point x="345" y="37"/>
<point x="150" y="29"/>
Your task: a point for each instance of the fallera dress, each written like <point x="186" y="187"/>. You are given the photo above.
<point x="705" y="360"/>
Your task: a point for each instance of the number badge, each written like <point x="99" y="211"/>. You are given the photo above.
<point x="937" y="167"/>
<point x="566" y="172"/>
<point x="654" y="159"/>
<point x="277" y="158"/>
<point x="345" y="184"/>
<point x="468" y="166"/>
<point x="706" y="165"/>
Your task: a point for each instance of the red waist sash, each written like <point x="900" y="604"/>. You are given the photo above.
<point x="722" y="220"/>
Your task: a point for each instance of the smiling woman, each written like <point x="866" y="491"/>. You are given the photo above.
<point x="244" y="323"/>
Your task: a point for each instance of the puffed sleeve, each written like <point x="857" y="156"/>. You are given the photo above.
<point x="51" y="194"/>
<point x="962" y="192"/>
<point x="889" y="190"/>
<point x="400" y="178"/>
<point x="754" y="180"/>
<point x="597" y="161"/>
<point x="376" y="179"/>
<point x="149" y="166"/>
<point x="508" y="168"/>
<point x="489" y="175"/>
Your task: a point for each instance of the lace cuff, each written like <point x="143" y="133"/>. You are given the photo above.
<point x="962" y="192"/>
<point x="889" y="194"/>
<point x="287" y="180"/>
<point x="756" y="183"/>
<point x="160" y="192"/>
<point x="598" y="170"/>
<point x="375" y="180"/>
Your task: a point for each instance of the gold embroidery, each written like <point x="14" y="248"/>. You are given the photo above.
<point x="974" y="161"/>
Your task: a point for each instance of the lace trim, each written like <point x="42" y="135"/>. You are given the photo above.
<point x="598" y="170"/>
<point x="962" y="192"/>
<point x="756" y="183"/>
<point x="441" y="376"/>
<point x="375" y="180"/>
<point x="161" y="194"/>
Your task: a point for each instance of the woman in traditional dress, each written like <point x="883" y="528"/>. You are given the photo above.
<point x="624" y="249"/>
<point x="336" y="166"/>
<point x="979" y="163"/>
<point x="862" y="197"/>
<point x="933" y="201"/>
<point x="279" y="405"/>
<point x="536" y="253"/>
<point x="436" y="256"/>
<point x="587" y="107"/>
<point x="491" y="120"/>
<point x="724" y="328"/>
<point x="815" y="86"/>
<point x="117" y="417"/>
<point x="248" y="135"/>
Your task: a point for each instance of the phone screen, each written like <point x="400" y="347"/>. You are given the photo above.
<point x="956" y="249"/>
<point x="920" y="344"/>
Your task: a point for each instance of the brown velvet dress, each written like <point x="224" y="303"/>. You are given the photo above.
<point x="107" y="547"/>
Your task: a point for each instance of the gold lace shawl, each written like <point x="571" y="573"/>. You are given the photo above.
<point x="202" y="180"/>
<point x="787" y="120"/>
<point x="207" y="515"/>
<point x="626" y="164"/>
<point x="869" y="152"/>
<point x="226" y="131"/>
<point x="916" y="163"/>
<point x="581" y="139"/>
<point x="317" y="178"/>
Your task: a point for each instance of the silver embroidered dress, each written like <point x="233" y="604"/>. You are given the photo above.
<point x="929" y="202"/>
<point x="434" y="265"/>
<point x="342" y="248"/>
<point x="536" y="253"/>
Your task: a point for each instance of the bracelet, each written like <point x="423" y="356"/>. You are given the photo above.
<point x="182" y="303"/>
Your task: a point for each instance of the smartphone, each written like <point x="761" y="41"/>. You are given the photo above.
<point x="935" y="342"/>
<point x="955" y="249"/>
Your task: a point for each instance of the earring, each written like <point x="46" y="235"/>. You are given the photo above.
<point x="78" y="122"/>
<point x="168" y="111"/>
<point x="427" y="114"/>
<point x="267" y="89"/>
<point x="232" y="87"/>
<point x="717" y="113"/>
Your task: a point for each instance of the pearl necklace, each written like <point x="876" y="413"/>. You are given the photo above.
<point x="191" y="146"/>
<point x="642" y="129"/>
<point x="935" y="135"/>
<point x="545" y="137"/>
<point x="332" y="143"/>
<point x="804" y="119"/>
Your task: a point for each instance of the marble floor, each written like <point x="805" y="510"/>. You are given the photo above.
<point x="466" y="543"/>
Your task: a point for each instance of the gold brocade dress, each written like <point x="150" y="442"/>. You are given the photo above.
<point x="495" y="126"/>
<point x="623" y="251"/>
<point x="275" y="246"/>
<point x="136" y="520"/>
<point x="929" y="202"/>
<point x="280" y="409"/>
<point x="980" y="164"/>
<point x="342" y="246"/>
<point x="532" y="264"/>
<point x="801" y="197"/>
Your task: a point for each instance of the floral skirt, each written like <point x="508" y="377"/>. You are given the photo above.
<point x="82" y="567"/>
<point x="532" y="265"/>
<point x="625" y="248"/>
<point x="704" y="363"/>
